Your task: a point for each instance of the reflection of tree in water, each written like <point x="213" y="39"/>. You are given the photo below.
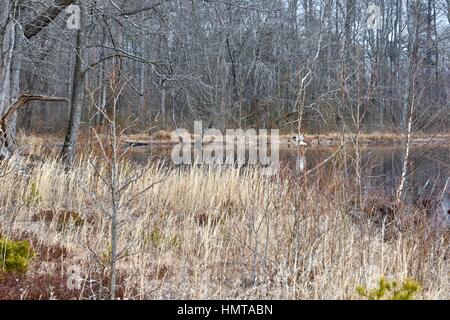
<point x="381" y="168"/>
<point x="300" y="163"/>
<point x="428" y="170"/>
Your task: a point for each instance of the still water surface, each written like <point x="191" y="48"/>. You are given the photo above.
<point x="428" y="168"/>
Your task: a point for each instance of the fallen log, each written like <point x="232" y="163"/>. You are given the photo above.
<point x="21" y="102"/>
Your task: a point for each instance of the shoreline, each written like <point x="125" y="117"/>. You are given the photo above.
<point x="163" y="138"/>
<point x="326" y="140"/>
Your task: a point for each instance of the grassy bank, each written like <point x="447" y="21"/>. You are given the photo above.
<point x="210" y="233"/>
<point x="328" y="139"/>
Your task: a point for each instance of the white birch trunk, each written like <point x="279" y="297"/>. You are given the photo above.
<point x="10" y="62"/>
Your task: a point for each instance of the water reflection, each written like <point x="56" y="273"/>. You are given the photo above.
<point x="428" y="168"/>
<point x="300" y="163"/>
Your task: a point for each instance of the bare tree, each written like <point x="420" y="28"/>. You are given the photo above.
<point x="12" y="38"/>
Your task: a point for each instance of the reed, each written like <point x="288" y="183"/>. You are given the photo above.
<point x="209" y="233"/>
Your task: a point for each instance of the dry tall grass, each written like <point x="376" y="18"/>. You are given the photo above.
<point x="212" y="233"/>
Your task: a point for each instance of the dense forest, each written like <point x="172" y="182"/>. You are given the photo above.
<point x="261" y="63"/>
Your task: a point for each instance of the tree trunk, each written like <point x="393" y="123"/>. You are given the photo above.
<point x="163" y="97"/>
<point x="10" y="62"/>
<point x="142" y="72"/>
<point x="68" y="150"/>
<point x="411" y="99"/>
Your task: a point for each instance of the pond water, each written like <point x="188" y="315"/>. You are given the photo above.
<point x="381" y="167"/>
